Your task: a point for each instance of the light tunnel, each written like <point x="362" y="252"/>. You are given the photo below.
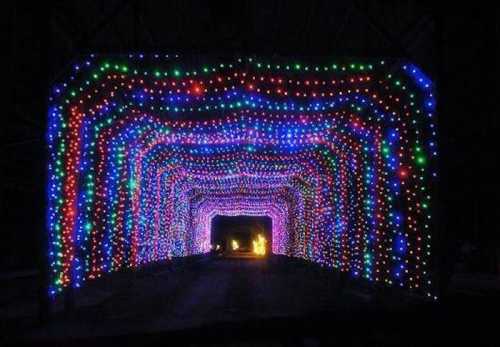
<point x="145" y="150"/>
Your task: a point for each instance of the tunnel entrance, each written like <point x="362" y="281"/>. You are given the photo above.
<point x="241" y="236"/>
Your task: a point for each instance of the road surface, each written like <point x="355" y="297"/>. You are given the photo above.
<point x="226" y="300"/>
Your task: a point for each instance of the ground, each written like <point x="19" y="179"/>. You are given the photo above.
<point x="276" y="301"/>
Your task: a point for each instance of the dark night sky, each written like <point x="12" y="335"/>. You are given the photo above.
<point x="457" y="46"/>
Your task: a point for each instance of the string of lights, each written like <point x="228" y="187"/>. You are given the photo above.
<point x="144" y="151"/>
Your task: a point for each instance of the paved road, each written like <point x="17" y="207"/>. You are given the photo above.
<point x="226" y="299"/>
<point x="194" y="295"/>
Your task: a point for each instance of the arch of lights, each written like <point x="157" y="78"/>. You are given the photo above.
<point x="239" y="204"/>
<point x="145" y="150"/>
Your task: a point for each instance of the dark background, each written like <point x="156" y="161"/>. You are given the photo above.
<point x="242" y="228"/>
<point x="457" y="46"/>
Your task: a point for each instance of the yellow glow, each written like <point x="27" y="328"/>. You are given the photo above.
<point x="235" y="245"/>
<point x="259" y="245"/>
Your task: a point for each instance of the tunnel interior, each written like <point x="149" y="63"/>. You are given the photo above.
<point x="242" y="229"/>
<point x="145" y="151"/>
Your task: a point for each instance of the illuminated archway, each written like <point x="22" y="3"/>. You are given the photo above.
<point x="144" y="151"/>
